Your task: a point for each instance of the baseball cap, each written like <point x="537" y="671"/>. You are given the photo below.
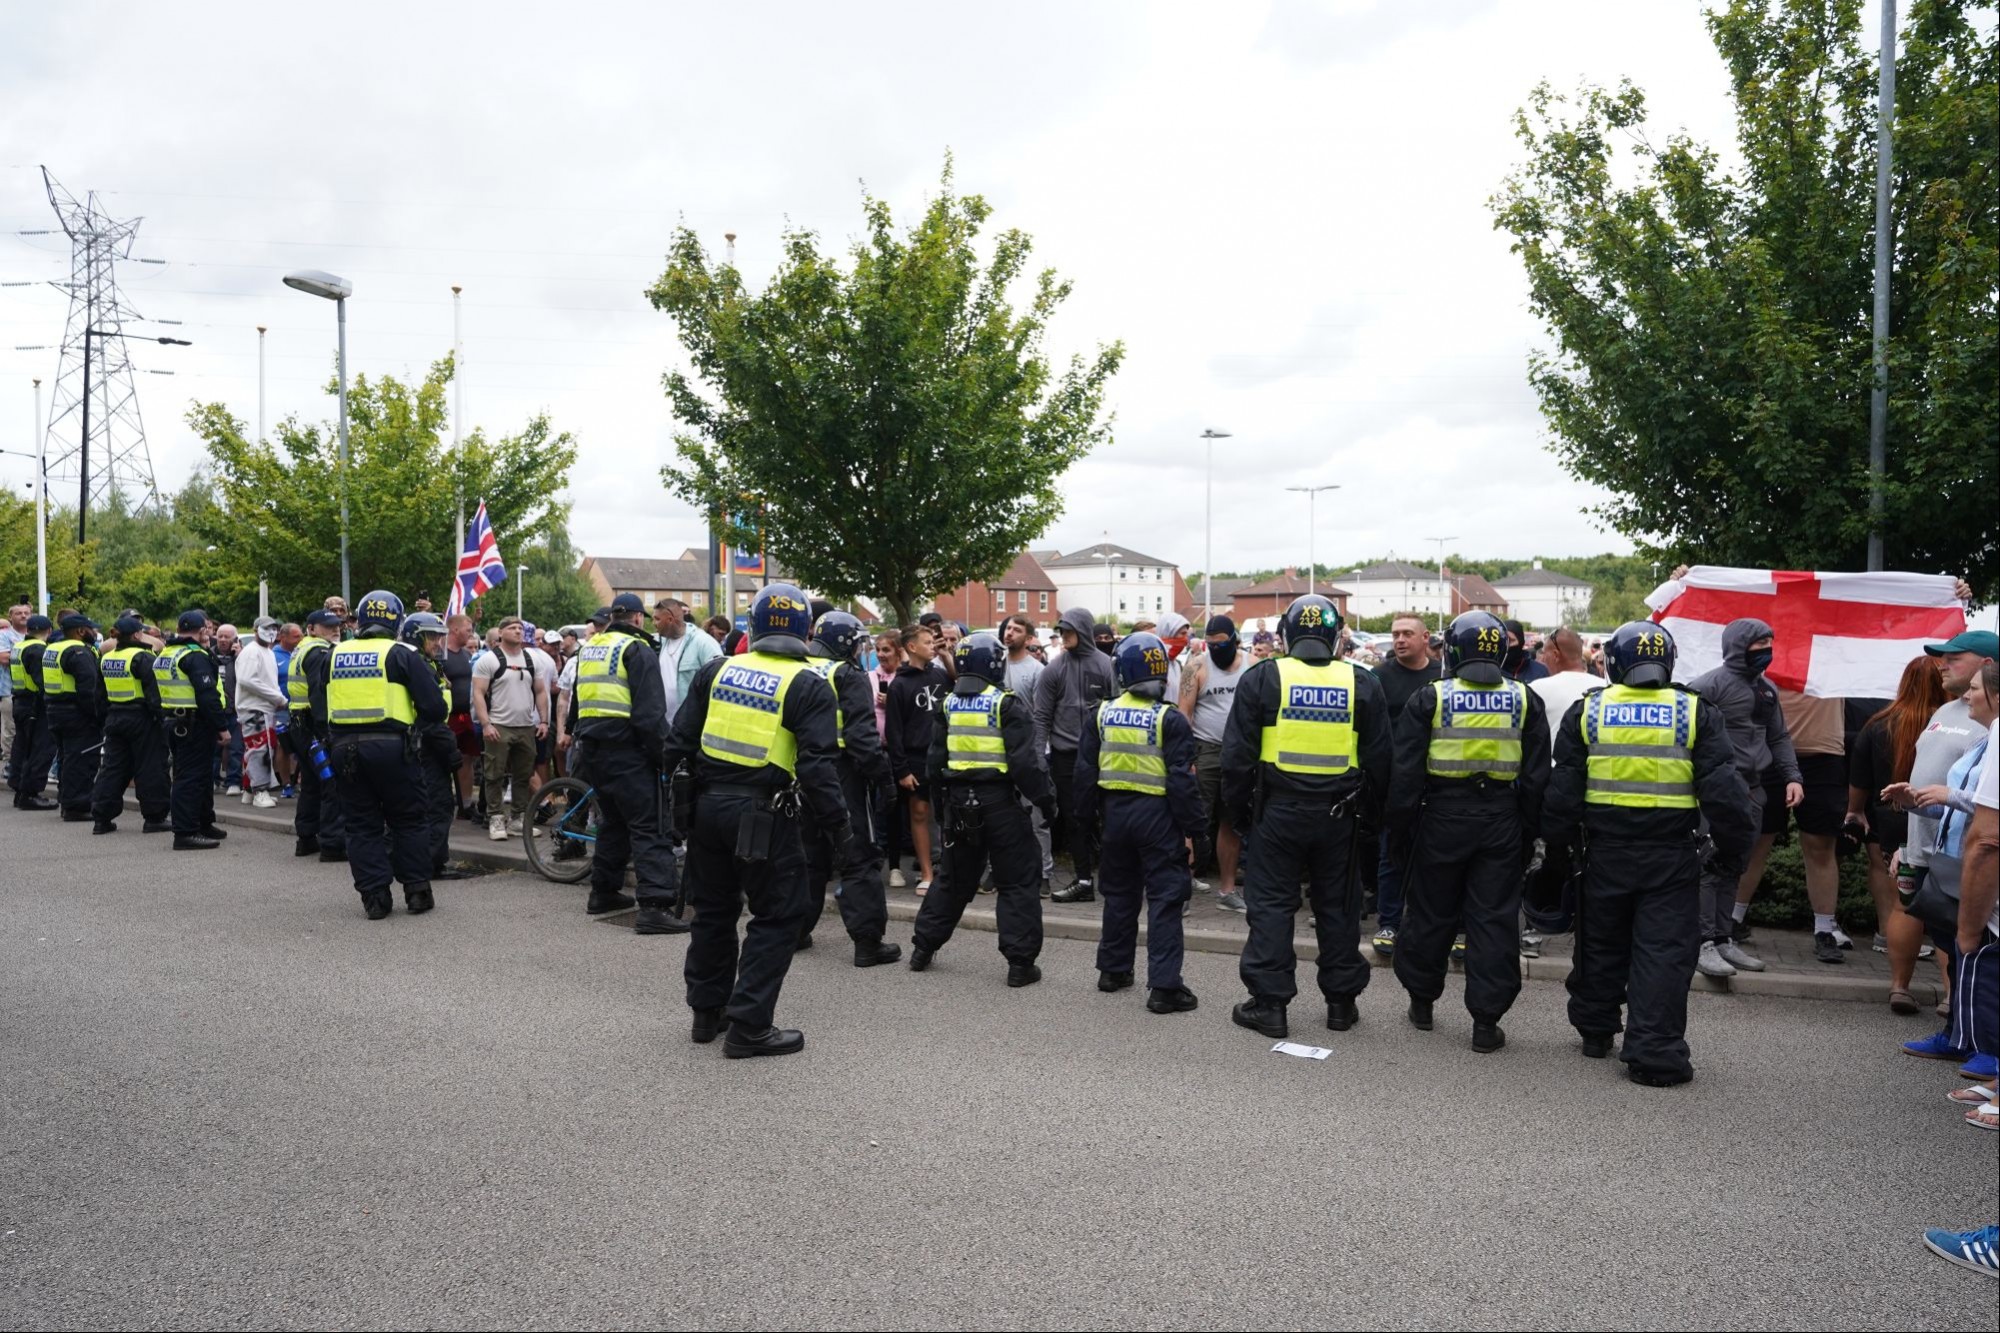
<point x="129" y="625"/>
<point x="191" y="621"/>
<point x="36" y="624"/>
<point x="627" y="601"/>
<point x="77" y="620"/>
<point x="320" y="618"/>
<point x="1978" y="642"/>
<point x="601" y="616"/>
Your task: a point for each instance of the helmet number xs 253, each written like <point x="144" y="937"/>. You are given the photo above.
<point x="1489" y="641"/>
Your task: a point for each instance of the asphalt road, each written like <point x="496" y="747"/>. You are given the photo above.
<point x="227" y="1100"/>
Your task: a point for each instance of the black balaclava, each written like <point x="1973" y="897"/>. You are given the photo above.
<point x="1223" y="654"/>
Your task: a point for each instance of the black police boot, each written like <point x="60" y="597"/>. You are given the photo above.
<point x="742" y="1043"/>
<point x="659" y="921"/>
<point x="1265" y="1016"/>
<point x="377" y="904"/>
<point x="156" y="826"/>
<point x="873" y="953"/>
<point x="194" y="842"/>
<point x="306" y="847"/>
<point x="1113" y="981"/>
<point x="920" y="957"/>
<point x="76" y="816"/>
<point x="103" y="826"/>
<point x="1342" y="1014"/>
<point x="1176" y="1001"/>
<point x="417" y="898"/>
<point x="805" y="943"/>
<point x="1022" y="974"/>
<point x="33" y="803"/>
<point x="1079" y="892"/>
<point x="707" y="1025"/>
<point x="609" y="901"/>
<point x="1487" y="1037"/>
<point x="1596" y="1045"/>
<point x="1420" y="1014"/>
<point x="1657" y="1078"/>
<point x="211" y="831"/>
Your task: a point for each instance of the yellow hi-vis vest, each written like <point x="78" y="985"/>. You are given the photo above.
<point x="825" y="667"/>
<point x="176" y="690"/>
<point x="745" y="700"/>
<point x="17" y="670"/>
<point x="1640" y="745"/>
<point x="603" y="682"/>
<point x="298" y="691"/>
<point x="972" y="742"/>
<point x="57" y="683"/>
<point x="359" y="692"/>
<point x="1315" y="728"/>
<point x="1132" y="745"/>
<point x="121" y="680"/>
<point x="1476" y="730"/>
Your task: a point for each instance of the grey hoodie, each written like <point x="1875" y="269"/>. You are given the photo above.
<point x="1750" y="703"/>
<point x="1072" y="686"/>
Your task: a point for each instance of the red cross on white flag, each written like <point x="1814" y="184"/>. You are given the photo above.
<point x="1834" y="635"/>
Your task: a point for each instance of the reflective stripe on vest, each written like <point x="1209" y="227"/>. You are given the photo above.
<point x="57" y="683"/>
<point x="18" y="668"/>
<point x="359" y="692"/>
<point x="825" y="668"/>
<point x="745" y="700"/>
<point x="972" y="741"/>
<point x="603" y="685"/>
<point x="176" y="690"/>
<point x="298" y="692"/>
<point x="1640" y="747"/>
<point x="1476" y="730"/>
<point x="121" y="680"/>
<point x="1132" y="747"/>
<point x="1314" y="732"/>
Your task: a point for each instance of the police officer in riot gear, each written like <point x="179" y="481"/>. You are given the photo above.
<point x="1137" y="761"/>
<point x="986" y="771"/>
<point x="1305" y="764"/>
<point x="380" y="694"/>
<point x="864" y="907"/>
<point x="34" y="750"/>
<point x="194" y="722"/>
<point x="759" y="733"/>
<point x="438" y="755"/>
<point x="134" y="746"/>
<point x="1637" y="766"/>
<point x="621" y="715"/>
<point x="1472" y="764"/>
<point x="316" y="823"/>
<point x="74" y="697"/>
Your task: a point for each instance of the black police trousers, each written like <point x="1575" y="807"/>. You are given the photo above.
<point x="1003" y="836"/>
<point x="318" y="812"/>
<point x="191" y="744"/>
<point x="630" y="829"/>
<point x="743" y="983"/>
<point x="1297" y="839"/>
<point x="33" y="752"/>
<point x="861" y="897"/>
<point x="76" y="735"/>
<point x="382" y="803"/>
<point x="134" y="750"/>
<point x="440" y="802"/>
<point x="1465" y="865"/>
<point x="1638" y="934"/>
<point x="1143" y="863"/>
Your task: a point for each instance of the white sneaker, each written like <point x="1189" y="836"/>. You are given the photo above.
<point x="1840" y="938"/>
<point x="897" y="880"/>
<point x="514" y="825"/>
<point x="1712" y="963"/>
<point x="232" y="790"/>
<point x="248" y="796"/>
<point x="1733" y="954"/>
<point x="496" y="828"/>
<point x="263" y="800"/>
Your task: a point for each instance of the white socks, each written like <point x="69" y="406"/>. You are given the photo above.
<point x="1824" y="925"/>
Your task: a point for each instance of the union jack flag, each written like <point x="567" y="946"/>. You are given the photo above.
<point x="480" y="568"/>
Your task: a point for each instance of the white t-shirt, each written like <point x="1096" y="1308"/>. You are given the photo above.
<point x="1988" y="795"/>
<point x="510" y="689"/>
<point x="1559" y="692"/>
<point x="670" y="651"/>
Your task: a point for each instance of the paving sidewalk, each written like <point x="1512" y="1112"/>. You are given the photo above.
<point x="1862" y="977"/>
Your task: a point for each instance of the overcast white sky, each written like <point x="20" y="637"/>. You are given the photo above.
<point x="1279" y="207"/>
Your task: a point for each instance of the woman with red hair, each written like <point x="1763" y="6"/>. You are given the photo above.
<point x="1882" y="754"/>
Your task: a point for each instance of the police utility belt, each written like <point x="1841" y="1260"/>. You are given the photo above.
<point x="759" y="824"/>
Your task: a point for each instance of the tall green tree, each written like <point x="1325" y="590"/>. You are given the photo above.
<point x="1712" y="360"/>
<point x="276" y="506"/>
<point x="854" y="409"/>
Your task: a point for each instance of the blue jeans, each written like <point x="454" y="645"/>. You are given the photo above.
<point x="229" y="758"/>
<point x="1388" y="890"/>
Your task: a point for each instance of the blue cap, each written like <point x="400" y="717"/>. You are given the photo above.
<point x="1978" y="642"/>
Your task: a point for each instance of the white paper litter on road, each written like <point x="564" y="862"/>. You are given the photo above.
<point x="1309" y="1052"/>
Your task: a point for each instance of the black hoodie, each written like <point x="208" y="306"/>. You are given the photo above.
<point x="1750" y="705"/>
<point x="1072" y="686"/>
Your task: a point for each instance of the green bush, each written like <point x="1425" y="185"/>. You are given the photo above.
<point x="1781" y="898"/>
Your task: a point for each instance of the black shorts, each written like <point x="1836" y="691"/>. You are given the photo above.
<point x="1825" y="805"/>
<point x="1775" y="813"/>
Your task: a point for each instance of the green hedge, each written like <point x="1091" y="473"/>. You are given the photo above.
<point x="1781" y="898"/>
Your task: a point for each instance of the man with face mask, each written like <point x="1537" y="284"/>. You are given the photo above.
<point x="258" y="701"/>
<point x="1066" y="699"/>
<point x="1764" y="756"/>
<point x="1208" y="691"/>
<point x="1520" y="664"/>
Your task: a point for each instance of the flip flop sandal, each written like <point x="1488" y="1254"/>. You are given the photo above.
<point x="1985" y="1117"/>
<point x="1972" y="1096"/>
<point x="1902" y="1002"/>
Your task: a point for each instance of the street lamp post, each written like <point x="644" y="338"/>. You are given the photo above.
<point x="335" y="289"/>
<point x="1444" y="594"/>
<point x="83" y="442"/>
<point x="1107" y="556"/>
<point x="520" y="588"/>
<point x="1312" y="529"/>
<point x="1210" y="435"/>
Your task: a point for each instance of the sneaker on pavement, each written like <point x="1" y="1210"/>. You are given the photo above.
<point x="232" y="790"/>
<point x="1926" y="951"/>
<point x="1978" y="1250"/>
<point x="1880" y="944"/>
<point x="1710" y="963"/>
<point x="496" y="828"/>
<point x="263" y="800"/>
<point x="1734" y="954"/>
<point x="1937" y="1046"/>
<point x="248" y="795"/>
<point x="1840" y="938"/>
<point x="1531" y="945"/>
<point x="1384" y="942"/>
<point x="1981" y="1066"/>
<point x="1230" y="902"/>
<point x="1827" y="949"/>
<point x="897" y="880"/>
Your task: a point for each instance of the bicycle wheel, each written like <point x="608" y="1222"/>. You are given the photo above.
<point x="561" y="830"/>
